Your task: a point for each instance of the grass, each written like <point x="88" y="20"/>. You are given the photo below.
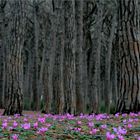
<point x="37" y="126"/>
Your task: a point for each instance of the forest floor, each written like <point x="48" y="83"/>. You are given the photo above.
<point x="37" y="126"/>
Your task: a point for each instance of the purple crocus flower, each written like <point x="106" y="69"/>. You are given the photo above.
<point x="42" y="130"/>
<point x="15" y="137"/>
<point x="35" y="125"/>
<point x="26" y="126"/>
<point x="122" y="130"/>
<point x="15" y="124"/>
<point x="90" y="124"/>
<point x="110" y="136"/>
<point x="4" y="125"/>
<point x="120" y="137"/>
<point x="93" y="131"/>
<point x="104" y="126"/>
<point x="41" y="120"/>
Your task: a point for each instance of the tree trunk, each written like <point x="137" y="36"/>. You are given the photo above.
<point x="2" y="49"/>
<point x="36" y="59"/>
<point x="49" y="62"/>
<point x="14" y="64"/>
<point x="79" y="57"/>
<point x="95" y="75"/>
<point x="107" y="90"/>
<point x="129" y="49"/>
<point x="69" y="57"/>
<point x="58" y="84"/>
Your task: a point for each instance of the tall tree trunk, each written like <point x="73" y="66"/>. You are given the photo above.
<point x="42" y="65"/>
<point x="107" y="89"/>
<point x="79" y="57"/>
<point x="129" y="48"/>
<point x="49" y="61"/>
<point x="14" y="102"/>
<point x="95" y="77"/>
<point x="2" y="49"/>
<point x="58" y="70"/>
<point x="36" y="58"/>
<point x="87" y="45"/>
<point x="69" y="57"/>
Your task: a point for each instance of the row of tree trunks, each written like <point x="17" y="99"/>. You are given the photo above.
<point x="67" y="67"/>
<point x="65" y="52"/>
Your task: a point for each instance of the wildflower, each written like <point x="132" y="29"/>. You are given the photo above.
<point x="15" y="124"/>
<point x="130" y="120"/>
<point x="122" y="131"/>
<point x="120" y="137"/>
<point x="15" y="137"/>
<point x="48" y="124"/>
<point x="79" y="122"/>
<point x="115" y="129"/>
<point x="136" y="120"/>
<point x="100" y="117"/>
<point x="124" y="121"/>
<point x="90" y="124"/>
<point x="42" y="130"/>
<point x="124" y="115"/>
<point x="129" y="125"/>
<point x="132" y="114"/>
<point x="10" y="128"/>
<point x="25" y="120"/>
<point x="41" y="120"/>
<point x="16" y="115"/>
<point x="93" y="131"/>
<point x="117" y="115"/>
<point x="4" y="125"/>
<point x="110" y="136"/>
<point x="26" y="126"/>
<point x="35" y="125"/>
<point x="104" y="126"/>
<point x="77" y="129"/>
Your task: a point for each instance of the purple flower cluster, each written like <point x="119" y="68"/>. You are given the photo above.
<point x="83" y="124"/>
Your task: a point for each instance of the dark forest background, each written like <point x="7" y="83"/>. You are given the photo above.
<point x="70" y="56"/>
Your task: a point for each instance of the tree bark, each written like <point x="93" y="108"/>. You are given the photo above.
<point x="49" y="61"/>
<point x="14" y="63"/>
<point x="129" y="50"/>
<point x="95" y="67"/>
<point x="107" y="90"/>
<point x="3" y="50"/>
<point x="36" y="58"/>
<point x="79" y="57"/>
<point x="58" y="76"/>
<point x="69" y="57"/>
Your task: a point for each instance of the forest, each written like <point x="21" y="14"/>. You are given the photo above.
<point x="73" y="63"/>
